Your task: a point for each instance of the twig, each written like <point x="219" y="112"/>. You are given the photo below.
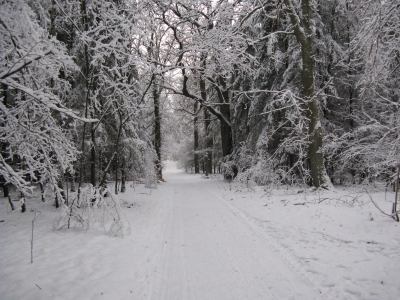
<point x="33" y="227"/>
<point x="394" y="209"/>
<point x="323" y="199"/>
<point x="389" y="215"/>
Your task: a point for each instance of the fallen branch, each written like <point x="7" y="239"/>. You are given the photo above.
<point x="376" y="205"/>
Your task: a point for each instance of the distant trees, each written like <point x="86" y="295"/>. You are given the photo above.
<point x="209" y="46"/>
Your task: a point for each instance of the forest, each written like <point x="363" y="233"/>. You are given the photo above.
<point x="199" y="149"/>
<point x="282" y="92"/>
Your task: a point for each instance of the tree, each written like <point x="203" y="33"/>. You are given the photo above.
<point x="33" y="101"/>
<point x="301" y="23"/>
<point x="369" y="147"/>
<point x="107" y="86"/>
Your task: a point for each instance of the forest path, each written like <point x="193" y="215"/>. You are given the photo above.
<point x="186" y="242"/>
<point x="199" y="248"/>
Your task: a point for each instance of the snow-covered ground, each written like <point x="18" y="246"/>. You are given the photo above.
<point x="197" y="238"/>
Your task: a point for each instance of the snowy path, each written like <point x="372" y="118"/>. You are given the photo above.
<point x="196" y="238"/>
<point x="200" y="249"/>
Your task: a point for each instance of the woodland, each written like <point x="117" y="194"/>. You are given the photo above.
<point x="282" y="92"/>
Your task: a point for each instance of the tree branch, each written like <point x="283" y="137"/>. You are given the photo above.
<point x="23" y="64"/>
<point x="46" y="99"/>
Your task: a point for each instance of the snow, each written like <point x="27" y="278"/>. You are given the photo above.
<point x="197" y="238"/>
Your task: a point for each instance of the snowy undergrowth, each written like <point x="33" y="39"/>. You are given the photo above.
<point x="73" y="263"/>
<point x="94" y="207"/>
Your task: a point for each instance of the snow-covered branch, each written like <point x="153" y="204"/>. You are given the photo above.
<point x="46" y="99"/>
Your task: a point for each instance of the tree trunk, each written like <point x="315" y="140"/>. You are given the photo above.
<point x="4" y="146"/>
<point x="304" y="37"/>
<point x="116" y="176"/>
<point x="196" y="139"/>
<point x="123" y="179"/>
<point x="157" y="128"/>
<point x="42" y="190"/>
<point x="4" y="185"/>
<point x="22" y="200"/>
<point x="56" y="200"/>
<point x="10" y="201"/>
<point x="86" y="72"/>
<point x="71" y="178"/>
<point x="93" y="156"/>
<point x="115" y="153"/>
<point x="62" y="194"/>
<point x="226" y="130"/>
<point x="208" y="139"/>
<point x="209" y="144"/>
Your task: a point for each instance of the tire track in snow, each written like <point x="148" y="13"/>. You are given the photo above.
<point x="223" y="257"/>
<point x="253" y="258"/>
<point x="152" y="240"/>
<point x="288" y="256"/>
<point x="172" y="279"/>
<point x="187" y="270"/>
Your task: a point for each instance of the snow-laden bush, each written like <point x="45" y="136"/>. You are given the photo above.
<point x="95" y="206"/>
